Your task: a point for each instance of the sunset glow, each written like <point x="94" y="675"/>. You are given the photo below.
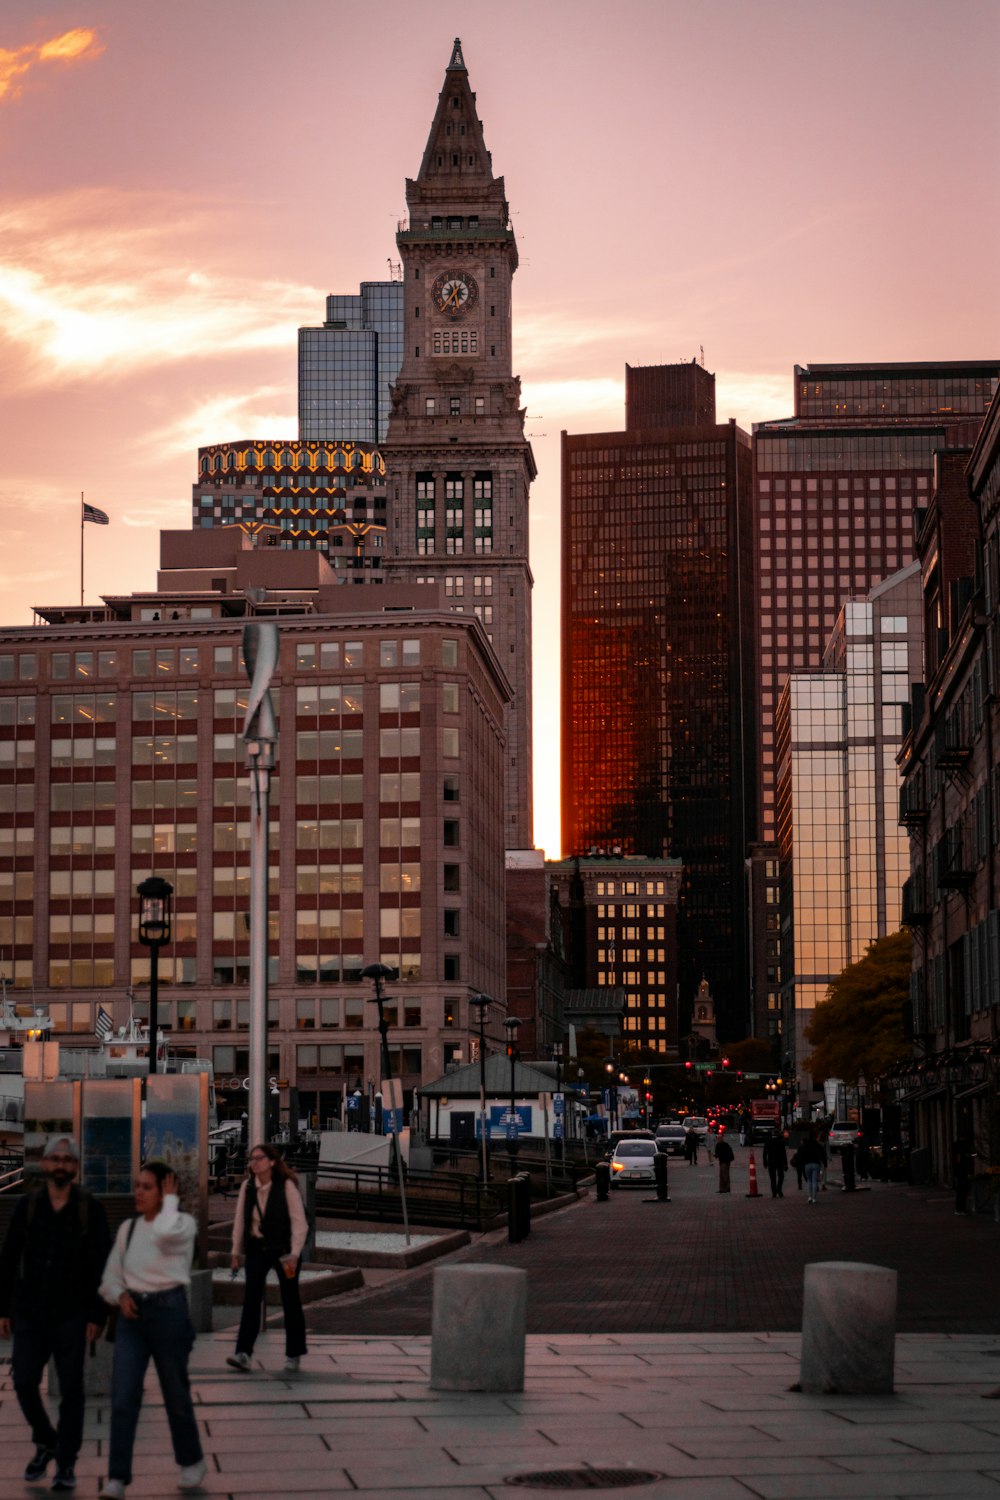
<point x="70" y="47"/>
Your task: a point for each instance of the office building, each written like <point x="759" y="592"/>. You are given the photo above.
<point x="843" y="855"/>
<point x="348" y="366"/>
<point x="657" y="669"/>
<point x="328" y="497"/>
<point x="458" y="464"/>
<point x="837" y="488"/>
<point x="121" y="757"/>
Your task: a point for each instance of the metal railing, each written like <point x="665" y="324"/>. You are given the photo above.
<point x="455" y="1199"/>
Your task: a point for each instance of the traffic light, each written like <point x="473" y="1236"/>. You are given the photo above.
<point x="688" y="1067"/>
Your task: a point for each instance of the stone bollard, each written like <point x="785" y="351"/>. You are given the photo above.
<point x="200" y="1301"/>
<point x="477" y="1328"/>
<point x="848" y="1329"/>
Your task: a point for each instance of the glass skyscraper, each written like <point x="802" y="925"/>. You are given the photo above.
<point x="347" y="366"/>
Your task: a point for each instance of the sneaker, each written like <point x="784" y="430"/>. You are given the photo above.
<point x="191" y="1477"/>
<point x="36" y="1468"/>
<point x="65" y="1479"/>
<point x="292" y="1364"/>
<point x="112" y="1489"/>
<point x="239" y="1361"/>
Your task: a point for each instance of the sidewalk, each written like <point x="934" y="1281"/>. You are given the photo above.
<point x="711" y="1413"/>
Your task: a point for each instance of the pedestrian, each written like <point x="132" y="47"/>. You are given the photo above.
<point x="691" y="1144"/>
<point x="798" y="1164"/>
<point x="50" y="1267"/>
<point x="269" y="1231"/>
<point x="813" y="1158"/>
<point x="961" y="1168"/>
<point x="724" y="1156"/>
<point x="743" y="1134"/>
<point x="775" y="1159"/>
<point x="862" y="1157"/>
<point x="147" y="1277"/>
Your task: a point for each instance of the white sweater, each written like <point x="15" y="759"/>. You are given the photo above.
<point x="158" y="1257"/>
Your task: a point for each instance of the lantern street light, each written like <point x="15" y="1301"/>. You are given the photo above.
<point x="378" y="974"/>
<point x="482" y="1004"/>
<point x="511" y="1024"/>
<point x="155" y="911"/>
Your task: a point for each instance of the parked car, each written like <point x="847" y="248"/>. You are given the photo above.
<point x="670" y="1139"/>
<point x="627" y="1135"/>
<point x="632" y="1162"/>
<point x="842" y="1133"/>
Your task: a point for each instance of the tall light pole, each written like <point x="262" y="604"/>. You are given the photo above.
<point x="260" y="733"/>
<point x="155" y="907"/>
<point x="378" y="974"/>
<point x="558" y="1052"/>
<point x="511" y="1024"/>
<point x="482" y="1004"/>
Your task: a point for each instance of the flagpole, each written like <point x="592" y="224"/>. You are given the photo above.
<point x="81" y="549"/>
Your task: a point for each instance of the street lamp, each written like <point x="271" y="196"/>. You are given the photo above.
<point x="378" y="974"/>
<point x="609" y="1068"/>
<point x="155" y="910"/>
<point x="557" y="1057"/>
<point x="511" y="1024"/>
<point x="482" y="1004"/>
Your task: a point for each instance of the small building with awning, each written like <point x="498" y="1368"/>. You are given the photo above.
<point x="449" y="1106"/>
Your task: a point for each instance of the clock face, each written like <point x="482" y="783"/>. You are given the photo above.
<point x="455" y="292"/>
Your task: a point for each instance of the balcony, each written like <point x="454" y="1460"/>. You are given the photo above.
<point x="915" y="909"/>
<point x="913" y="809"/>
<point x="952" y="743"/>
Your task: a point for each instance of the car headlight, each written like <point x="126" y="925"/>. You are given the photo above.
<point x="616" y="1166"/>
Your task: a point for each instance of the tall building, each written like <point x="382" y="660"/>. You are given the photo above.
<point x="121" y="757"/>
<point x="458" y="464"/>
<point x="347" y="366"/>
<point x="837" y="487"/>
<point x="328" y="497"/>
<point x="843" y="853"/>
<point x="657" y="670"/>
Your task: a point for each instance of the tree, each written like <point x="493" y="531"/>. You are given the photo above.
<point x="858" y="1028"/>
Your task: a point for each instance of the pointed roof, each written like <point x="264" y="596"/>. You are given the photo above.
<point x="463" y="1083"/>
<point x="456" y="154"/>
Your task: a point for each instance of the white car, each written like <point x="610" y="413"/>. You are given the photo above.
<point x="842" y="1133"/>
<point x="697" y="1123"/>
<point x="632" y="1163"/>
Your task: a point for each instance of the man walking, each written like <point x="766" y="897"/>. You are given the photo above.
<point x="724" y="1156"/>
<point x="50" y="1269"/>
<point x="775" y="1158"/>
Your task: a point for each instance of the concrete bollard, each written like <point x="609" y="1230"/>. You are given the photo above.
<point x="200" y="1301"/>
<point x="477" y="1328"/>
<point x="848" y="1329"/>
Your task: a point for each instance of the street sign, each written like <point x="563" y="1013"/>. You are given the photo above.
<point x="558" y="1104"/>
<point x="557" y="1130"/>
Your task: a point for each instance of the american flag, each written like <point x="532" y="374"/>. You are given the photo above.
<point x="99" y="517"/>
<point x="104" y="1025"/>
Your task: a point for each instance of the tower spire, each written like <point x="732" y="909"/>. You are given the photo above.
<point x="457" y="60"/>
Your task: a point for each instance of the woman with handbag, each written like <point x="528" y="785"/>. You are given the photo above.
<point x="147" y="1277"/>
<point x="269" y="1232"/>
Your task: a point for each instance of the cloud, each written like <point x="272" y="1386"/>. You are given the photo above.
<point x="72" y="46"/>
<point x="92" y="285"/>
<point x="224" y="419"/>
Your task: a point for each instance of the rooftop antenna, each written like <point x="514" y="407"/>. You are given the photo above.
<point x="395" y="269"/>
<point x="702" y="348"/>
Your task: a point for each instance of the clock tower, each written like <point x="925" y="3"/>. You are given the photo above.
<point x="458" y="464"/>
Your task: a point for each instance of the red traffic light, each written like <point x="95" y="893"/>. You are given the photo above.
<point x="689" y="1065"/>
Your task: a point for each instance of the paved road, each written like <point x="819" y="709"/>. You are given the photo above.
<point x="708" y="1262"/>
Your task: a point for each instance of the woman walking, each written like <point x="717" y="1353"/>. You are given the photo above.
<point x="147" y="1276"/>
<point x="813" y="1159"/>
<point x="270" y="1231"/>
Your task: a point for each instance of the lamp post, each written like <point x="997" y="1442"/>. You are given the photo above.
<point x="609" y="1068"/>
<point x="378" y="974"/>
<point x="511" y="1024"/>
<point x="557" y="1057"/>
<point x="260" y="734"/>
<point x="155" y="909"/>
<point x="482" y="1004"/>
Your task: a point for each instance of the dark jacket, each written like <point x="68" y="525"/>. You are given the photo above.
<point x="774" y="1153"/>
<point x="276" y="1222"/>
<point x="52" y="1262"/>
<point x="723" y="1150"/>
<point x="811" y="1150"/>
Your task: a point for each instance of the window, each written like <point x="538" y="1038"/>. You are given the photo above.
<point x="429" y="411"/>
<point x="454" y="406"/>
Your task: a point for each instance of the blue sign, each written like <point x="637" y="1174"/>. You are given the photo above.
<point x="352" y="1101"/>
<point x="557" y="1130"/>
<point x="558" y="1104"/>
<point x="392" y="1119"/>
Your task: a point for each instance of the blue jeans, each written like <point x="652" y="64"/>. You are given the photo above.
<point x="66" y="1343"/>
<point x="812" y="1177"/>
<point x="258" y="1263"/>
<point x="164" y="1333"/>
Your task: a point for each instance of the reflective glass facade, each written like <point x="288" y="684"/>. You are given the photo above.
<point x="347" y="367"/>
<point x="843" y="853"/>
<point x="656" y="640"/>
<point x="836" y="492"/>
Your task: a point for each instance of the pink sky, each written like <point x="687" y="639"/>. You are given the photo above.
<point x="183" y="183"/>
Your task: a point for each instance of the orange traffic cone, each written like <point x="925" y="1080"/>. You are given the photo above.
<point x="753" y="1193"/>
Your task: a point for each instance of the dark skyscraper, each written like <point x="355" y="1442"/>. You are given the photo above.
<point x="458" y="464"/>
<point x="347" y="366"/>
<point x="657" y="621"/>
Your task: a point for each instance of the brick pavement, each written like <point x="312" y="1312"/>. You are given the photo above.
<point x="708" y="1262"/>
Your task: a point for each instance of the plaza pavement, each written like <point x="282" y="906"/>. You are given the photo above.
<point x="709" y="1409"/>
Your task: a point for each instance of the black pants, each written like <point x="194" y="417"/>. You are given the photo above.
<point x="258" y="1263"/>
<point x="66" y="1343"/>
<point x="777" y="1176"/>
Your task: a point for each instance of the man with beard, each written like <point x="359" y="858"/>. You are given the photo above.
<point x="50" y="1269"/>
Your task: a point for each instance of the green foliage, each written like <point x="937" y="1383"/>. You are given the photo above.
<point x="859" y="1027"/>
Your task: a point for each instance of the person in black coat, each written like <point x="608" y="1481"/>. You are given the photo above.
<point x="775" y="1159"/>
<point x="50" y="1269"/>
<point x="724" y="1156"/>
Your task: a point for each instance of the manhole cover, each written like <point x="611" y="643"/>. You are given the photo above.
<point x="583" y="1479"/>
